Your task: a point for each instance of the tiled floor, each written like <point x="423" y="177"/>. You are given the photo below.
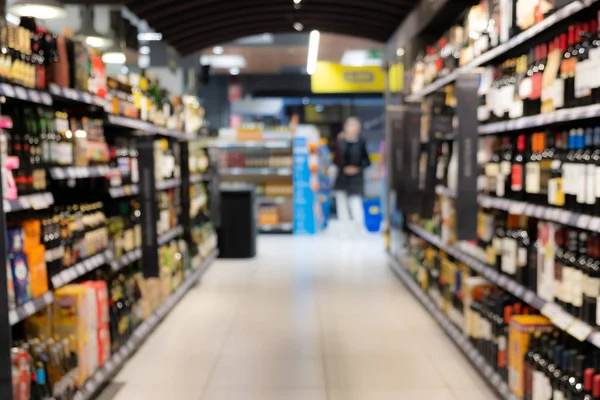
<point x="318" y="318"/>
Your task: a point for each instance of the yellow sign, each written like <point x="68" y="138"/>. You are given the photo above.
<point x="337" y="78"/>
<point x="396" y="77"/>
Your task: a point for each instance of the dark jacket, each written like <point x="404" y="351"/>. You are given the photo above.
<point x="352" y="154"/>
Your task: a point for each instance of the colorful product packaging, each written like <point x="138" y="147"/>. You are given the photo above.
<point x="21" y="282"/>
<point x="520" y="331"/>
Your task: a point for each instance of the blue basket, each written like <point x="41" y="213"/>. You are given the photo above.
<point x="373" y="214"/>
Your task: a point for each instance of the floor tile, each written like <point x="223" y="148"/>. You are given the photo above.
<point x="381" y="373"/>
<point x="257" y="372"/>
<point x="282" y="394"/>
<point x="310" y="318"/>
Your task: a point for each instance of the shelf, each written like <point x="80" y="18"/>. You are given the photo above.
<point x="124" y="191"/>
<point x="21" y="93"/>
<point x="559" y="317"/>
<point x="31" y="307"/>
<point x="275" y="200"/>
<point x="62" y="93"/>
<point x="168" y="184"/>
<point x="278" y="228"/>
<point x="126" y="259"/>
<point x="144" y="127"/>
<point x="553" y="214"/>
<point x="167" y="237"/>
<point x="197" y="178"/>
<point x="257" y="171"/>
<point x="535" y="121"/>
<point x="252" y="144"/>
<point x="68" y="275"/>
<point x="556" y="18"/>
<point x="62" y="173"/>
<point x="35" y="201"/>
<point x="459" y="339"/>
<point x="105" y="373"/>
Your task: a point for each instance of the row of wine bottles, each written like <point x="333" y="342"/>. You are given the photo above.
<point x="560" y="169"/>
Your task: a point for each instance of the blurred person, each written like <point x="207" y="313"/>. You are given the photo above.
<point x="352" y="160"/>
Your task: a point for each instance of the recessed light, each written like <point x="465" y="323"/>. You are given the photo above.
<point x="298" y="26"/>
<point x="144" y="50"/>
<point x="400" y="52"/>
<point x="297" y="1"/>
<point x="218" y="50"/>
<point x="234" y="71"/>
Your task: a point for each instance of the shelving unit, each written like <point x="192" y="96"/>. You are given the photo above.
<point x="114" y="125"/>
<point x="116" y="362"/>
<point x="559" y="317"/>
<point x="256" y="171"/>
<point x="498" y="51"/>
<point x="279" y="228"/>
<point x="486" y="371"/>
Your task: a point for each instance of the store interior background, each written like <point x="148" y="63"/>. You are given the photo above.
<point x="269" y="72"/>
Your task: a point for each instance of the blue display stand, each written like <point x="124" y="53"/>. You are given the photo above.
<point x="304" y="197"/>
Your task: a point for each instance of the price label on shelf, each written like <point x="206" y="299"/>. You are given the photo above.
<point x="528" y="296"/>
<point x="565" y="216"/>
<point x="56" y="281"/>
<point x="46" y="99"/>
<point x="21" y="93"/>
<point x="583" y="221"/>
<point x="34" y="96"/>
<point x="48" y="297"/>
<point x="80" y="269"/>
<point x="29" y="308"/>
<point x="550" y="310"/>
<point x="54" y="89"/>
<point x="87" y="98"/>
<point x="88" y="264"/>
<point x="579" y="330"/>
<point x="562" y="319"/>
<point x="539" y="212"/>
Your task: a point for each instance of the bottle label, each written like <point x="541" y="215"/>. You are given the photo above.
<point x="509" y="256"/>
<point x="581" y="183"/>
<point x="590" y="182"/>
<point x="522" y="257"/>
<point x="502" y="351"/>
<point x="582" y="81"/>
<point x="591" y="286"/>
<point x="567" y="273"/>
<point x="40" y="375"/>
<point x="576" y="288"/>
<point x="532" y="177"/>
<point x="500" y="182"/>
<point x="568" y="178"/>
<point x="517" y="178"/>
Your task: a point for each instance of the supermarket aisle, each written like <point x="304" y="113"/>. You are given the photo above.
<point x="309" y="319"/>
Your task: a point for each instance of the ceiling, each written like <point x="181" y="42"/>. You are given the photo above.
<point x="193" y="25"/>
<point x="277" y="59"/>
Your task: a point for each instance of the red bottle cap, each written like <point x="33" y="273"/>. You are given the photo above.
<point x="521" y="143"/>
<point x="518" y="306"/>
<point x="596" y="386"/>
<point x="571" y="35"/>
<point x="588" y="377"/>
<point x="563" y="42"/>
<point x="507" y="314"/>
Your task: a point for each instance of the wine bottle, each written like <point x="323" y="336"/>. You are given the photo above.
<point x="567" y="66"/>
<point x="518" y="170"/>
<point x="503" y="180"/>
<point x="532" y="170"/>
<point x="569" y="172"/>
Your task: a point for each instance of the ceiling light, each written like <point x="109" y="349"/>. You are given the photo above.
<point x="40" y="9"/>
<point x="149" y="37"/>
<point x="218" y="50"/>
<point x="297" y="1"/>
<point x="87" y="31"/>
<point x="400" y="52"/>
<point x="145" y="50"/>
<point x="234" y="71"/>
<point x="313" y="52"/>
<point x="298" y="26"/>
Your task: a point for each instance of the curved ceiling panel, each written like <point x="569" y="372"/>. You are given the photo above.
<point x="191" y="25"/>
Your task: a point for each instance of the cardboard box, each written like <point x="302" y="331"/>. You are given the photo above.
<point x="100" y="293"/>
<point x="103" y="344"/>
<point x="38" y="274"/>
<point x="520" y="331"/>
<point x="21" y="280"/>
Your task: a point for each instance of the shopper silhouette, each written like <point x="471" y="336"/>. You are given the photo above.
<point x="352" y="159"/>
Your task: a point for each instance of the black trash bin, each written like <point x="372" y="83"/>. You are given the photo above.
<point x="237" y="233"/>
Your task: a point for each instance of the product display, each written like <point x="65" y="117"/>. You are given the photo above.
<point x="84" y="285"/>
<point x="521" y="282"/>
